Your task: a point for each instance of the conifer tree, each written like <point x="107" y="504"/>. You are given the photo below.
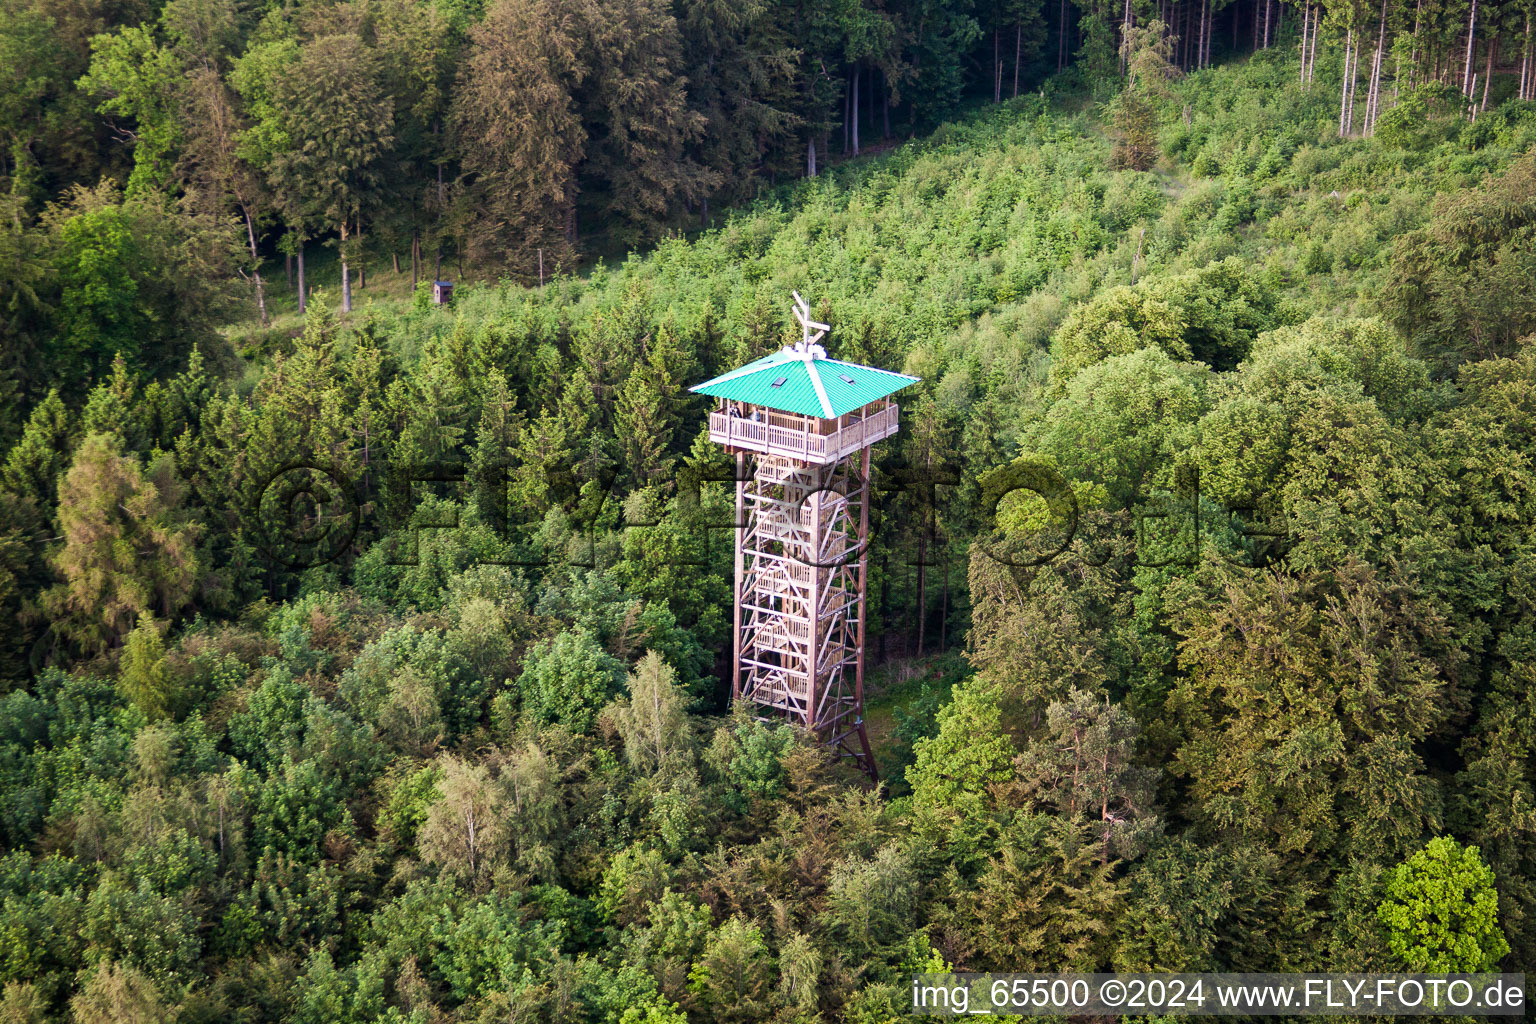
<point x="495" y="442"/>
<point x="517" y="132"/>
<point x="128" y="548"/>
<point x="338" y="125"/>
<point x="645" y="412"/>
<point x="638" y="123"/>
<point x="142" y="674"/>
<point x="1146" y="51"/>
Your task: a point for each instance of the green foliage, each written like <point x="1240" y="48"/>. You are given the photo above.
<point x="129" y="546"/>
<point x="1456" y="284"/>
<point x="1441" y="910"/>
<point x="1145" y="50"/>
<point x="142" y="676"/>
<point x="470" y="768"/>
<point x="568" y="680"/>
<point x="730" y="979"/>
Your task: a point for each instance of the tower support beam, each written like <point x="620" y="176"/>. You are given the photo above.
<point x="802" y="567"/>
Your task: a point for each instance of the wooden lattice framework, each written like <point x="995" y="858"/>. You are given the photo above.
<point x="800" y="426"/>
<point x="802" y="576"/>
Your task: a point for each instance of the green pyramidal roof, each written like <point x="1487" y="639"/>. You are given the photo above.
<point x="805" y="381"/>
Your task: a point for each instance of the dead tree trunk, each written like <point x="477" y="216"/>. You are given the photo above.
<point x="855" y="111"/>
<point x="1061" y="36"/>
<point x="1493" y="49"/>
<point x="1306" y="23"/>
<point x="346" y="274"/>
<point x="1466" y="75"/>
<point x="1525" y="60"/>
<point x="1018" y="54"/>
<point x="1312" y="60"/>
<point x="1354" y="81"/>
<point x="1349" y="45"/>
<point x="261" y="291"/>
<point x="997" y="65"/>
<point x="1373" y="96"/>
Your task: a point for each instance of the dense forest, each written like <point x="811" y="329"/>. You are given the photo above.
<point x="364" y="659"/>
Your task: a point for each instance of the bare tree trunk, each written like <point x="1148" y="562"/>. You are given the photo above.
<point x="922" y="588"/>
<point x="1529" y="68"/>
<point x="415" y="260"/>
<point x="1525" y="59"/>
<point x="346" y="275"/>
<point x="997" y="66"/>
<point x="1211" y="26"/>
<point x="303" y="299"/>
<point x="1187" y="61"/>
<point x="1354" y="81"/>
<point x="1466" y="75"/>
<point x="1373" y="97"/>
<point x="1349" y="43"/>
<point x="1493" y="49"/>
<point x="1413" y="61"/>
<point x="847" y="95"/>
<point x="288" y="268"/>
<point x="944" y="607"/>
<point x="1267" y="5"/>
<point x="1312" y="60"/>
<point x="1125" y="26"/>
<point x="1018" y="53"/>
<point x="1306" y="23"/>
<point x="261" y="291"/>
<point x="1061" y="36"/>
<point x="810" y="157"/>
<point x="856" y="73"/>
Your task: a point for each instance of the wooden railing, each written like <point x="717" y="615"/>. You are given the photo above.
<point x="806" y="445"/>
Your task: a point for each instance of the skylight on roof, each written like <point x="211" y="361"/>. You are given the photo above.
<point x="846" y="379"/>
<point x="780" y="382"/>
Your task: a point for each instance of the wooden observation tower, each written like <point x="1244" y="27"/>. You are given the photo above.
<point x="801" y="426"/>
